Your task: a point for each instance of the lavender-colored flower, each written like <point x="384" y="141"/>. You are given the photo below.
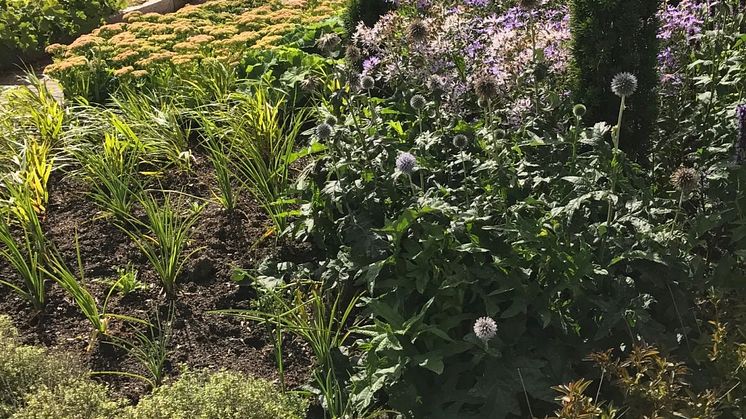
<point x="624" y="84"/>
<point x="370" y="64"/>
<point x="324" y="131"/>
<point x="417" y="102"/>
<point x="406" y="163"/>
<point x="485" y="328"/>
<point x="741" y="146"/>
<point x="476" y="3"/>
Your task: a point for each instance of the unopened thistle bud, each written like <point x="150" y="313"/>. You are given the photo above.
<point x="579" y="110"/>
<point x="417" y="102"/>
<point x="367" y="82"/>
<point x="324" y="131"/>
<point x="331" y="120"/>
<point x="460" y="141"/>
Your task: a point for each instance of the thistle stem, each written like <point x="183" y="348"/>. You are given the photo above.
<point x="678" y="210"/>
<point x="614" y="161"/>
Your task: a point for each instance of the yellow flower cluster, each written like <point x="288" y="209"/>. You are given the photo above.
<point x="219" y="29"/>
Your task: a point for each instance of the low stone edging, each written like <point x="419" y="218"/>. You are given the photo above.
<point x="151" y="6"/>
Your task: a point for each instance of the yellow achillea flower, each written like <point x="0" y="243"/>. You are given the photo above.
<point x="56" y="49"/>
<point x="139" y="74"/>
<point x="200" y="39"/>
<point x="124" y="71"/>
<point x="125" y="55"/>
<point x="84" y="42"/>
<point x="185" y="59"/>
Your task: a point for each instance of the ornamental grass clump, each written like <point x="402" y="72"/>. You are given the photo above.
<point x="167" y="231"/>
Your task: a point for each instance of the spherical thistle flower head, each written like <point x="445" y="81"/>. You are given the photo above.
<point x="353" y="55"/>
<point x="309" y="84"/>
<point x="624" y="84"/>
<point x="417" y="102"/>
<point x="406" y="163"/>
<point x="417" y="31"/>
<point x="685" y="179"/>
<point x="460" y="141"/>
<point x="328" y="42"/>
<point x="485" y="328"/>
<point x="331" y="120"/>
<point x="324" y="131"/>
<point x="485" y="87"/>
<point x="367" y="82"/>
<point x="579" y="110"/>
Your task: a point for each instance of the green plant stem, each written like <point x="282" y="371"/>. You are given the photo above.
<point x="576" y="138"/>
<point x="615" y="161"/>
<point x="676" y="216"/>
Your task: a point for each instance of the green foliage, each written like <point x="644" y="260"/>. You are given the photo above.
<point x="27" y="27"/>
<point x="262" y="146"/>
<point x="223" y="394"/>
<point x="26" y="254"/>
<point x="326" y="325"/>
<point x="24" y="369"/>
<point x="111" y="168"/>
<point x="81" y="399"/>
<point x="365" y="11"/>
<point x="610" y="37"/>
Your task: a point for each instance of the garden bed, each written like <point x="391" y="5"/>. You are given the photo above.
<point x="199" y="339"/>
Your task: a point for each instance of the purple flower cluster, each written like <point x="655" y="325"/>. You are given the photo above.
<point x="498" y="44"/>
<point x="680" y="26"/>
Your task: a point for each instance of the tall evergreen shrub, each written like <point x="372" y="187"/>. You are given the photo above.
<point x="366" y="11"/>
<point x="609" y="37"/>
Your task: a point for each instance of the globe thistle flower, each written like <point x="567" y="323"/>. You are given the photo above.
<point x="406" y="163"/>
<point x="328" y="42"/>
<point x="741" y="146"/>
<point x="353" y="55"/>
<point x="417" y="31"/>
<point x="485" y="328"/>
<point x="331" y="120"/>
<point x="324" y="131"/>
<point x="486" y="87"/>
<point x="460" y="141"/>
<point x="310" y="84"/>
<point x="624" y="84"/>
<point x="579" y="110"/>
<point x="685" y="179"/>
<point x="418" y="102"/>
<point x="367" y="82"/>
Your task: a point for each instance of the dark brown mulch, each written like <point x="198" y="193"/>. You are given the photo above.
<point x="199" y="339"/>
